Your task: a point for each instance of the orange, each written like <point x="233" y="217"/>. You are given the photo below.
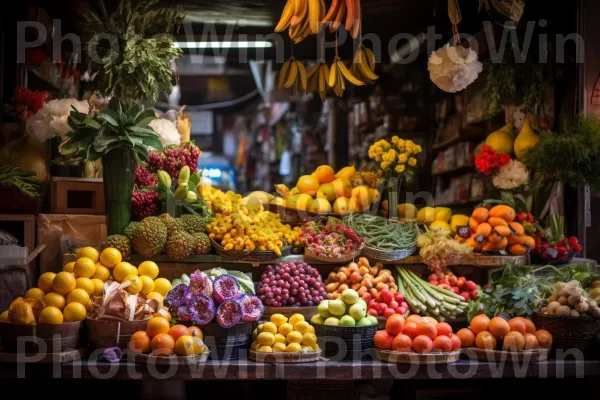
<point x="147" y="284"/>
<point x="178" y="330"/>
<point x="101" y="273"/>
<point x="456" y="343"/>
<point x="74" y="312"/>
<point x="55" y="300"/>
<point x="499" y="327"/>
<point x="78" y="296"/>
<point x="479" y="323"/>
<point x="394" y="324"/>
<point x="513" y="341"/>
<point x="156" y="326"/>
<point x="85" y="284"/>
<point x="123" y="270"/>
<point x="383" y="340"/>
<point x="110" y="257"/>
<point x="45" y="281"/>
<point x="135" y="285"/>
<point x="422" y="344"/>
<point x="162" y="344"/>
<point x="531" y="342"/>
<point x="156" y="296"/>
<point x="325" y="174"/>
<point x="417" y="319"/>
<point x="544" y="338"/>
<point x="430" y="320"/>
<point x="148" y="268"/>
<point x="198" y="345"/>
<point x="163" y="313"/>
<point x="518" y="325"/>
<point x="467" y="337"/>
<point x="410" y="329"/>
<point x="485" y="340"/>
<point x="442" y="343"/>
<point x="98" y="286"/>
<point x="402" y="343"/>
<point x="444" y="328"/>
<point x="88" y="252"/>
<point x="162" y="286"/>
<point x="195" y="331"/>
<point x="185" y="345"/>
<point x="64" y="282"/>
<point x="529" y="325"/>
<point x="69" y="266"/>
<point x="85" y="267"/>
<point x="51" y="315"/>
<point x="427" y="329"/>
<point x="308" y="184"/>
<point x="140" y="342"/>
<point x="35" y="293"/>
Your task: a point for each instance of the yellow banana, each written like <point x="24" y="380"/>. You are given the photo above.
<point x="348" y="75"/>
<point x="292" y="76"/>
<point x="314" y="15"/>
<point x="363" y="66"/>
<point x="323" y="11"/>
<point x="370" y="56"/>
<point x="286" y="16"/>
<point x="333" y="76"/>
<point x="283" y="73"/>
<point x="301" y="75"/>
<point x="313" y="80"/>
<point x="300" y="11"/>
<point x="340" y="79"/>
<point x="282" y="190"/>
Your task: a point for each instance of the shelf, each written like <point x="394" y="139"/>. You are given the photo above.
<point x="453" y="170"/>
<point x="459" y="203"/>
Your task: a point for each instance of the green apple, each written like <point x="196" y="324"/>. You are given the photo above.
<point x="364" y="303"/>
<point x="333" y="321"/>
<point x="358" y="311"/>
<point x="372" y="319"/>
<point x="364" y="322"/>
<point x="336" y="307"/>
<point x="317" y="319"/>
<point x="347" y="320"/>
<point x="349" y="296"/>
<point x="323" y="309"/>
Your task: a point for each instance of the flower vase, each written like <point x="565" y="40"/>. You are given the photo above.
<point x="119" y="171"/>
<point x="393" y="187"/>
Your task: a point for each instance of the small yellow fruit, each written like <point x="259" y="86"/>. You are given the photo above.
<point x="4" y="316"/>
<point x="101" y="273"/>
<point x="74" y="312"/>
<point x="45" y="281"/>
<point x="426" y="215"/>
<point x="135" y="285"/>
<point x="320" y="206"/>
<point x="457" y="221"/>
<point x="85" y="267"/>
<point x="341" y="205"/>
<point x="88" y="252"/>
<point x="279" y="347"/>
<point x="98" y="287"/>
<point x="286" y="328"/>
<point x="122" y="270"/>
<point x="265" y="349"/>
<point x="279" y="338"/>
<point x="64" y="282"/>
<point x="316" y="347"/>
<point x="110" y="257"/>
<point x="147" y="284"/>
<point x="311" y="329"/>
<point x="324" y="174"/>
<point x="35" y="293"/>
<point x="54" y="299"/>
<point x="156" y="296"/>
<point x="299" y="201"/>
<point x="296" y="318"/>
<point x="85" y="284"/>
<point x="148" y="268"/>
<point x="51" y="315"/>
<point x="302" y="327"/>
<point x="326" y="191"/>
<point x="346" y="173"/>
<point x="162" y="286"/>
<point x="309" y="339"/>
<point x="78" y="296"/>
<point x="442" y="214"/>
<point x="440" y="225"/>
<point x="69" y="267"/>
<point x="407" y="210"/>
<point x="254" y="345"/>
<point x="278" y="319"/>
<point x="293" y="348"/>
<point x="269" y="327"/>
<point x="266" y="339"/>
<point x="294" y="337"/>
<point x="308" y="184"/>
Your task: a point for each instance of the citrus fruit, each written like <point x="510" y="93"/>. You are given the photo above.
<point x="308" y="184"/>
<point x="198" y="345"/>
<point x="35" y="293"/>
<point x="402" y="343"/>
<point x="279" y="347"/>
<point x="444" y="328"/>
<point x="162" y="286"/>
<point x="122" y="270"/>
<point x="311" y="329"/>
<point x="51" y="315"/>
<point x="325" y="174"/>
<point x="156" y="296"/>
<point x="320" y="206"/>
<point x="426" y="215"/>
<point x="544" y="338"/>
<point x="422" y="344"/>
<point x="157" y="325"/>
<point x="110" y="257"/>
<point x="341" y="205"/>
<point x="479" y="323"/>
<point x="163" y="313"/>
<point x="4" y="316"/>
<point x="513" y="341"/>
<point x="265" y="339"/>
<point x="518" y="325"/>
<point x="88" y="252"/>
<point x="485" y="340"/>
<point x="265" y="349"/>
<point x="74" y="312"/>
<point x="531" y="342"/>
<point x="456" y="343"/>
<point x="184" y="345"/>
<point x="296" y="318"/>
<point x="286" y="328"/>
<point x="196" y="332"/>
<point x="178" y="330"/>
<point x="426" y="329"/>
<point x="98" y="287"/>
<point x="294" y="337"/>
<point x="529" y="325"/>
<point x="278" y="319"/>
<point x="327" y="192"/>
<point x="147" y="284"/>
<point x="78" y="296"/>
<point x="45" y="281"/>
<point x="140" y="342"/>
<point x="69" y="267"/>
<point x="64" y="282"/>
<point x="55" y="300"/>
<point x="407" y="210"/>
<point x="467" y="337"/>
<point x="293" y="348"/>
<point x="101" y="273"/>
<point x="280" y="338"/>
<point x="395" y="324"/>
<point x="269" y="327"/>
<point x="309" y="339"/>
<point x="135" y="285"/>
<point x="162" y="344"/>
<point x="84" y="268"/>
<point x="442" y="343"/>
<point x="85" y="284"/>
<point x="430" y="320"/>
<point x="499" y="327"/>
<point x="148" y="268"/>
<point x="302" y="327"/>
<point x="417" y="319"/>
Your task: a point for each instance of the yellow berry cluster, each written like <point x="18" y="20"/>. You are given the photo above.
<point x="396" y="156"/>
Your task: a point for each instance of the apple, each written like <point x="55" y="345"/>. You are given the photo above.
<point x="367" y="297"/>
<point x="372" y="319"/>
<point x="347" y="320"/>
<point x="456" y="289"/>
<point x="364" y="322"/>
<point x="398" y="297"/>
<point x="317" y="319"/>
<point x="460" y="282"/>
<point x="471" y="285"/>
<point x="434" y="282"/>
<point x="465" y="296"/>
<point x="387" y="296"/>
<point x="350" y="296"/>
<point x="388" y="312"/>
<point x="373" y="312"/>
<point x="394" y="304"/>
<point x="443" y="282"/>
<point x="333" y="321"/>
<point x="323" y="309"/>
<point x="358" y="311"/>
<point x="452" y="280"/>
<point x="336" y="307"/>
<point x="361" y="301"/>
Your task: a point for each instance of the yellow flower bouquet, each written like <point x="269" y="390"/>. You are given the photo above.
<point x="397" y="163"/>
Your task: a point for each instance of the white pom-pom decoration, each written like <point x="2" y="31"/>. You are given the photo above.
<point x="453" y="68"/>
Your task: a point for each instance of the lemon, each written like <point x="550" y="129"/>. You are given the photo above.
<point x="54" y="299"/>
<point x="110" y="257"/>
<point x="307" y="348"/>
<point x="265" y="349"/>
<point x="266" y="339"/>
<point x="156" y="296"/>
<point x="78" y="296"/>
<point x="85" y="267"/>
<point x="286" y="328"/>
<point x="88" y="252"/>
<point x="254" y="333"/>
<point x="293" y="348"/>
<point x="302" y="327"/>
<point x="311" y="329"/>
<point x="407" y="210"/>
<point x="309" y="339"/>
<point x="64" y="282"/>
<point x="440" y="225"/>
<point x="278" y="319"/>
<point x="147" y="284"/>
<point x="316" y="347"/>
<point x="269" y="327"/>
<point x="442" y="214"/>
<point x="69" y="267"/>
<point x="294" y="337"/>
<point x="51" y="315"/>
<point x="122" y="270"/>
<point x="457" y="221"/>
<point x="162" y="286"/>
<point x="136" y="284"/>
<point x="45" y="281"/>
<point x="148" y="268"/>
<point x="74" y="312"/>
<point x="85" y="284"/>
<point x="280" y="338"/>
<point x="101" y="273"/>
<point x="426" y="215"/>
<point x="279" y="347"/>
<point x="296" y="318"/>
<point x="4" y="316"/>
<point x="35" y="293"/>
<point x="254" y="345"/>
<point x="98" y="286"/>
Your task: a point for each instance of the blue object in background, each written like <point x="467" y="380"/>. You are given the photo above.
<point x="217" y="171"/>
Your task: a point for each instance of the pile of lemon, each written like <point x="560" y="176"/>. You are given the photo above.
<point x="281" y="334"/>
<point x="67" y="296"/>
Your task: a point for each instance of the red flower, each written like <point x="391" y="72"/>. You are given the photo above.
<point x="489" y="161"/>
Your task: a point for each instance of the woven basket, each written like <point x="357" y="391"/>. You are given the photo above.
<point x="103" y="333"/>
<point x="256" y="255"/>
<point x="569" y="332"/>
<point x="375" y="254"/>
<point x="55" y="338"/>
<point x="170" y="360"/>
<point x="347" y="258"/>
<point x="418" y="358"/>
<point x="301" y="357"/>
<point x="308" y="312"/>
<point x="293" y="216"/>
<point x="535" y="355"/>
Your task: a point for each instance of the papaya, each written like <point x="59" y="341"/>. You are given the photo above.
<point x="501" y="245"/>
<point x="517" y="228"/>
<point x="480" y="214"/>
<point x="497" y="221"/>
<point x="483" y="229"/>
<point x="473" y="244"/>
<point x="505" y="212"/>
<point x="488" y="246"/>
<point x="473" y="224"/>
<point x="529" y="241"/>
<point x="495" y="237"/>
<point x="518" y="250"/>
<point x="516" y="240"/>
<point x="502" y="230"/>
<point x="459" y="239"/>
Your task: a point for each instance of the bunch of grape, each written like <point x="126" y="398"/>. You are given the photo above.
<point x="173" y="158"/>
<point x="290" y="284"/>
<point x="143" y="177"/>
<point x="330" y="241"/>
<point x="144" y="203"/>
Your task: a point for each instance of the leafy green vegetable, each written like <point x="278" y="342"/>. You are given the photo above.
<point x="26" y="182"/>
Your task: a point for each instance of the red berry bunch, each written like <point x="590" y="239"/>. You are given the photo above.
<point x="330" y="241"/>
<point x="524" y="217"/>
<point x="489" y="161"/>
<point x="173" y="158"/>
<point x="143" y="177"/>
<point x="144" y="203"/>
<point x="28" y="102"/>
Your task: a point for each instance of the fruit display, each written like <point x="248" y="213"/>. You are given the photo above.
<point x="173" y="158"/>
<point x="162" y="339"/>
<point x="552" y="246"/>
<point x="291" y="284"/>
<point x="569" y="299"/>
<point x="426" y="299"/>
<point x="498" y="333"/>
<point x="416" y="334"/>
<point x="362" y="277"/>
<point x="386" y="304"/>
<point x="205" y="299"/>
<point x="280" y="334"/>
<point x="466" y="289"/>
<point x="382" y="233"/>
<point x="347" y="310"/>
<point x="438" y="250"/>
<point x="594" y="291"/>
<point x="333" y="240"/>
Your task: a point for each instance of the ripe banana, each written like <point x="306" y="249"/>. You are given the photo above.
<point x="347" y="74"/>
<point x="300" y="12"/>
<point x="292" y="76"/>
<point x="283" y="73"/>
<point x="370" y="57"/>
<point x="323" y="76"/>
<point x="286" y="16"/>
<point x="314" y="15"/>
<point x="361" y="67"/>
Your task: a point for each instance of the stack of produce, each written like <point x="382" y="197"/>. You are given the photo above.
<point x="222" y="299"/>
<point x="438" y="250"/>
<point x="386" y="304"/>
<point x="362" y="277"/>
<point x="280" y="334"/>
<point x="551" y="244"/>
<point x="571" y="300"/>
<point x="594" y="291"/>
<point x="516" y="334"/>
<point x="425" y="298"/>
<point x="466" y="289"/>
<point x="416" y="334"/>
<point x="291" y="284"/>
<point x="382" y="233"/>
<point x="162" y="339"/>
<point x="348" y="310"/>
<point x="332" y="240"/>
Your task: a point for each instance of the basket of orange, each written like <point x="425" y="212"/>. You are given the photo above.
<point x="500" y="338"/>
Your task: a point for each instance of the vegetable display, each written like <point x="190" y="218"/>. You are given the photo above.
<point x="26" y="182"/>
<point x="571" y="300"/>
<point x="382" y="233"/>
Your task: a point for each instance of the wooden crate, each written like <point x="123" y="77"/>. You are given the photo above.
<point x="13" y="201"/>
<point x="77" y="196"/>
<point x="22" y="226"/>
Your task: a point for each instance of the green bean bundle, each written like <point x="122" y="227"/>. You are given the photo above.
<point x="383" y="233"/>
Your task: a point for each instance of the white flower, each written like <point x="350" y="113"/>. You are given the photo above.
<point x="52" y="118"/>
<point x="453" y="68"/>
<point x="512" y="175"/>
<point x="167" y="130"/>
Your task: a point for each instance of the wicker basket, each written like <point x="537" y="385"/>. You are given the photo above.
<point x="535" y="355"/>
<point x="347" y="258"/>
<point x="569" y="332"/>
<point x="345" y="342"/>
<point x="418" y="358"/>
<point x="308" y="312"/>
<point x="103" y="333"/>
<point x="375" y="254"/>
<point x="293" y="216"/>
<point x="56" y="338"/>
<point x="256" y="255"/>
<point x="170" y="360"/>
<point x="301" y="357"/>
<point x="227" y="343"/>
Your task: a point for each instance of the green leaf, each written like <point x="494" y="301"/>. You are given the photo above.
<point x="152" y="142"/>
<point x="109" y="116"/>
<point x="92" y="123"/>
<point x="144" y="131"/>
<point x="133" y="112"/>
<point x="194" y="181"/>
<point x="145" y="117"/>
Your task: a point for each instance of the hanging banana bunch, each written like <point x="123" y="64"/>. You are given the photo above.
<point x="363" y="65"/>
<point x="292" y="76"/>
<point x="351" y="9"/>
<point x="318" y="77"/>
<point x="339" y="74"/>
<point x="302" y="18"/>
